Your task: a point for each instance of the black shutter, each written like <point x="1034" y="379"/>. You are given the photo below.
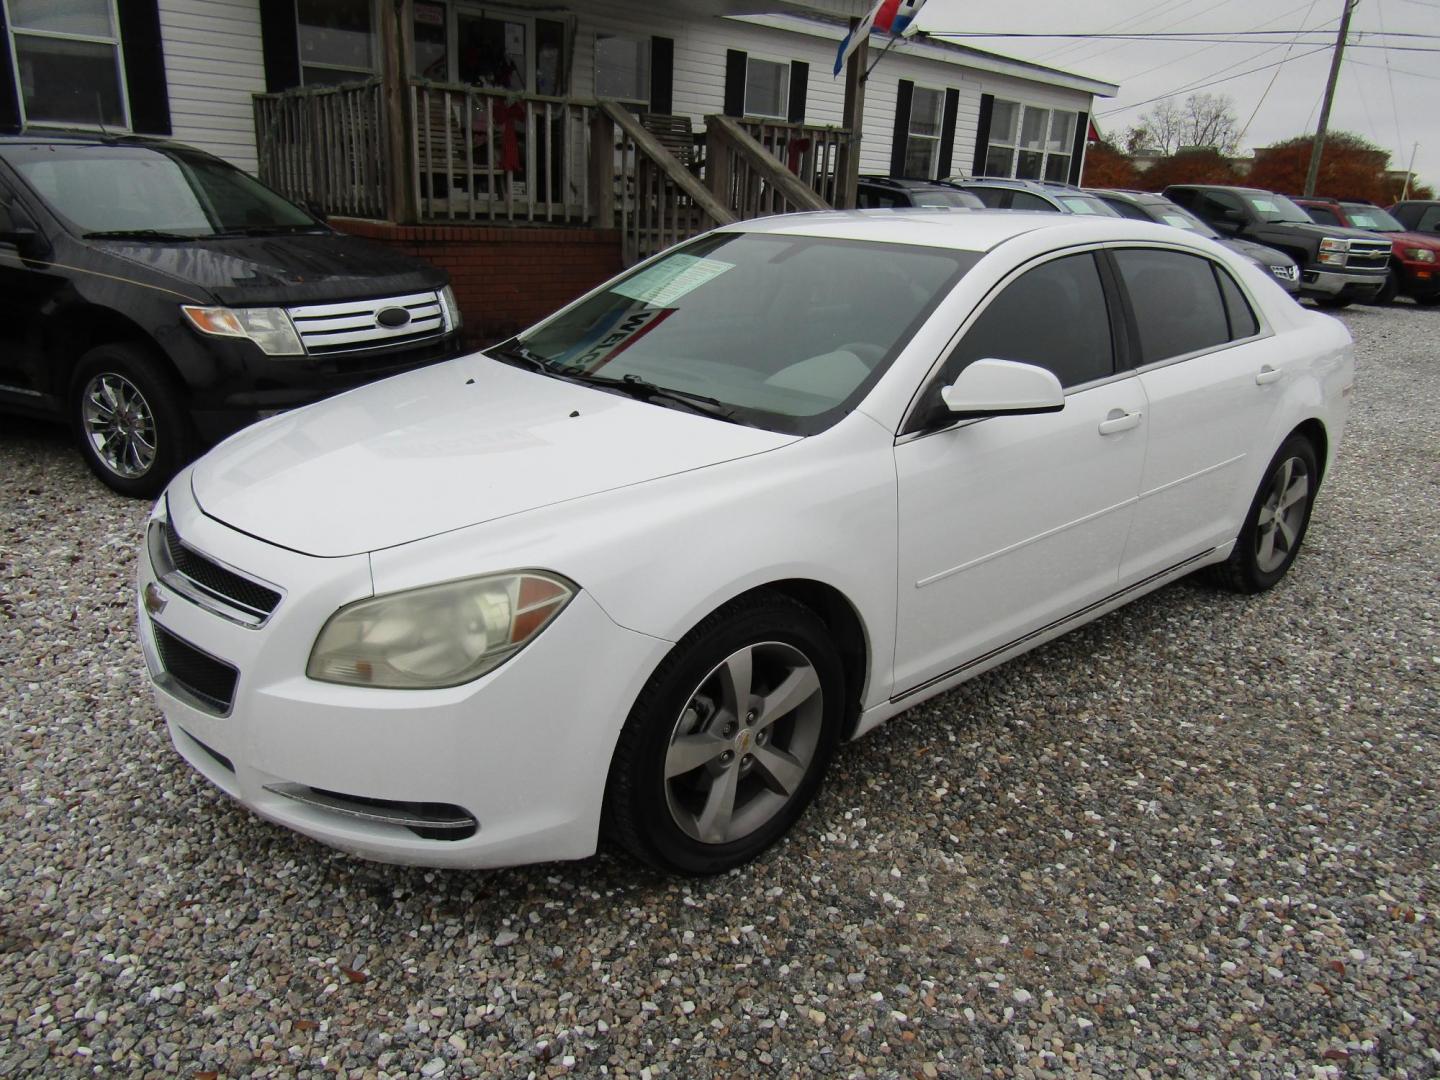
<point x="662" y="74"/>
<point x="982" y="134"/>
<point x="9" y="94"/>
<point x="1077" y="155"/>
<point x="799" y="86"/>
<point x="145" y="67"/>
<point x="947" y="133"/>
<point x="280" y="42"/>
<point x="736" y="63"/>
<point x="904" y="94"/>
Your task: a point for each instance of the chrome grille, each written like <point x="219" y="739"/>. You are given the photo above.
<point x="353" y="325"/>
<point x="1367" y="255"/>
<point x="199" y="578"/>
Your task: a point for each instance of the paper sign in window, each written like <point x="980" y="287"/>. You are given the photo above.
<point x="661" y="285"/>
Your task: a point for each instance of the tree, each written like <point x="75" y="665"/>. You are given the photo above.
<point x="1350" y="167"/>
<point x="1205" y="166"/>
<point x="1106" y="166"/>
<point x="1202" y="120"/>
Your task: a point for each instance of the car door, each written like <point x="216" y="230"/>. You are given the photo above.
<point x="1009" y="523"/>
<point x="1213" y="379"/>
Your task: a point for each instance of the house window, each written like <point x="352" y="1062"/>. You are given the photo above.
<point x="1029" y="142"/>
<point x="337" y="41"/>
<point x="922" y="145"/>
<point x="432" y="52"/>
<point x="68" y="62"/>
<point x="767" y="88"/>
<point x="622" y="68"/>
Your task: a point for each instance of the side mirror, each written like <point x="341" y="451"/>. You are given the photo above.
<point x="1229" y="221"/>
<point x="991" y="387"/>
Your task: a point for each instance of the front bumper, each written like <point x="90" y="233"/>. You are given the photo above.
<point x="523" y="751"/>
<point x="1340" y="285"/>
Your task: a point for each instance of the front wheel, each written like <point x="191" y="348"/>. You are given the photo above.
<point x="129" y="418"/>
<point x="729" y="740"/>
<point x="1275" y="527"/>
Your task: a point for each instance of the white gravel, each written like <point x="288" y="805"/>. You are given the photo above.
<point x="1196" y="838"/>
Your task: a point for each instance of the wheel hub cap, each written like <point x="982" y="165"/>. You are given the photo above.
<point x="119" y="425"/>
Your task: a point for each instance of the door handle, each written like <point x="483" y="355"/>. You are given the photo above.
<point x="1267" y="374"/>
<point x="1119" y="420"/>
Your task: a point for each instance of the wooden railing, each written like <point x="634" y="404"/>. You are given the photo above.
<point x="325" y="146"/>
<point x="484" y="155"/>
<point x="749" y="180"/>
<point x="810" y="151"/>
<point x="659" y="200"/>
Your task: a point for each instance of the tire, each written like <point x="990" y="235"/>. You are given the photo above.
<point x="685" y="746"/>
<point x="1389" y="290"/>
<point x="1332" y="303"/>
<point x="128" y="415"/>
<point x="1427" y="301"/>
<point x="1270" y="541"/>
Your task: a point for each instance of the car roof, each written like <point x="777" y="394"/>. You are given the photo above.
<point x="957" y="228"/>
<point x="907" y="182"/>
<point x="1221" y="187"/>
<point x="1145" y="198"/>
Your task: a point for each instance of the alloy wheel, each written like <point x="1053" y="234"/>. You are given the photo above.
<point x="119" y="424"/>
<point x="744" y="742"/>
<point x="1282" y="514"/>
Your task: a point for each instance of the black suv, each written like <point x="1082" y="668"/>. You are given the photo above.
<point x="874" y="192"/>
<point x="158" y="299"/>
<point x="1337" y="266"/>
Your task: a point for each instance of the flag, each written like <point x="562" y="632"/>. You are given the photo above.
<point x="894" y="17"/>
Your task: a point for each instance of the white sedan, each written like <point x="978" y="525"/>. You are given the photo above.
<point x="639" y="570"/>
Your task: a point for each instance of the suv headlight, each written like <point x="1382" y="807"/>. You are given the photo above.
<point x="452" y="309"/>
<point x="270" y="328"/>
<point x="1420" y="254"/>
<point x="438" y="635"/>
<point x="1333" y="251"/>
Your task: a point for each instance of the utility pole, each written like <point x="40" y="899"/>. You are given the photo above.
<point x="1318" y="146"/>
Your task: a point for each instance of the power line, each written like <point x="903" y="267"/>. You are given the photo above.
<point x="1398" y="71"/>
<point x="1216" y="82"/>
<point x="1271" y="85"/>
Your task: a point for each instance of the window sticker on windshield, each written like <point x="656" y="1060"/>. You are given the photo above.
<point x="1178" y="221"/>
<point x="1265" y="206"/>
<point x="661" y="285"/>
<point x="618" y="333"/>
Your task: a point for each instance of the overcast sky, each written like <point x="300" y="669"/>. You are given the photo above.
<point x="1393" y="108"/>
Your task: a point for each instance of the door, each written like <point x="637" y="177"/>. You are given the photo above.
<point x="27" y="284"/>
<point x="1213" y="384"/>
<point x="1011" y="522"/>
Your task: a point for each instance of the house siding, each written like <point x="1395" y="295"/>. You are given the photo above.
<point x="213" y="64"/>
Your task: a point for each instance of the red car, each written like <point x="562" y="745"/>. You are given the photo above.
<point x="1414" y="257"/>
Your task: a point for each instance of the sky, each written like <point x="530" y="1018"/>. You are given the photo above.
<point x="1393" y="106"/>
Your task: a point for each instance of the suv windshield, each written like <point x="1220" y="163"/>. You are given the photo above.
<point x="1277" y="208"/>
<point x="1373" y="218"/>
<point x="1085" y="204"/>
<point x="782" y="332"/>
<point x="150" y="193"/>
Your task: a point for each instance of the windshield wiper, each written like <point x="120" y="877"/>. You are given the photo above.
<point x="136" y="234"/>
<point x="642" y="390"/>
<point x="272" y="230"/>
<point x="517" y="354"/>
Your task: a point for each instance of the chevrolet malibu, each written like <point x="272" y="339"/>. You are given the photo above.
<point x="638" y="571"/>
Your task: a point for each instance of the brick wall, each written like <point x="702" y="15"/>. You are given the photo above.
<point x="504" y="278"/>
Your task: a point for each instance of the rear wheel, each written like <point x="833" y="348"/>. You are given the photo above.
<point x="129" y="418"/>
<point x="728" y="742"/>
<point x="1275" y="527"/>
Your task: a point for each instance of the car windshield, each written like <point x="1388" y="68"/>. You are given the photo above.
<point x="782" y="332"/>
<point x="147" y="193"/>
<point x="1372" y="218"/>
<point x="1277" y="208"/>
<point x="1084" y="204"/>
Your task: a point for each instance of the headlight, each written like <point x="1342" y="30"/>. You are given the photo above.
<point x="452" y="309"/>
<point x="439" y="635"/>
<point x="1420" y="254"/>
<point x="270" y="328"/>
<point x="1333" y="250"/>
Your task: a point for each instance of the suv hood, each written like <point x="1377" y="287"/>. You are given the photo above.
<point x="1270" y="256"/>
<point x="445" y="447"/>
<point x="1310" y="228"/>
<point x="284" y="270"/>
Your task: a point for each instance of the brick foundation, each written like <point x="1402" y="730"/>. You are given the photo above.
<point x="504" y="278"/>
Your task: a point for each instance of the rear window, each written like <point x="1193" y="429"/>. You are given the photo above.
<point x="1177" y="302"/>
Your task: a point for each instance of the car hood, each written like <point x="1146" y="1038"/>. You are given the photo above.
<point x="1309" y="228"/>
<point x="1413" y="239"/>
<point x="288" y="270"/>
<point x="445" y="447"/>
<point x="1251" y="250"/>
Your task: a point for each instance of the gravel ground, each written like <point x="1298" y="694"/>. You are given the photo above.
<point x="1197" y="837"/>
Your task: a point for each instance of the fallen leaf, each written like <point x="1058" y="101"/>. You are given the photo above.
<point x="1336" y="1055"/>
<point x="1337" y="966"/>
<point x="355" y="976"/>
<point x="306" y="1025"/>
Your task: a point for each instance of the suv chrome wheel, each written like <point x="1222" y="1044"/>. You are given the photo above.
<point x="120" y="425"/>
<point x="744" y="742"/>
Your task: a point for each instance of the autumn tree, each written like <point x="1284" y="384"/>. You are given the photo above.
<point x="1200" y="120"/>
<point x="1350" y="167"/>
<point x="1106" y="166"/>
<point x="1204" y="166"/>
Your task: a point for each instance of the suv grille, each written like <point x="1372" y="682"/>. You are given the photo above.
<point x="208" y="582"/>
<point x="210" y="682"/>
<point x="353" y="325"/>
<point x="1368" y="255"/>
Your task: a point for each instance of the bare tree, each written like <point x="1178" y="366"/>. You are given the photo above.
<point x="1202" y="120"/>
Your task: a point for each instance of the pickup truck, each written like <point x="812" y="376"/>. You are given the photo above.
<point x="1414" y="257"/>
<point x="1338" y="266"/>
